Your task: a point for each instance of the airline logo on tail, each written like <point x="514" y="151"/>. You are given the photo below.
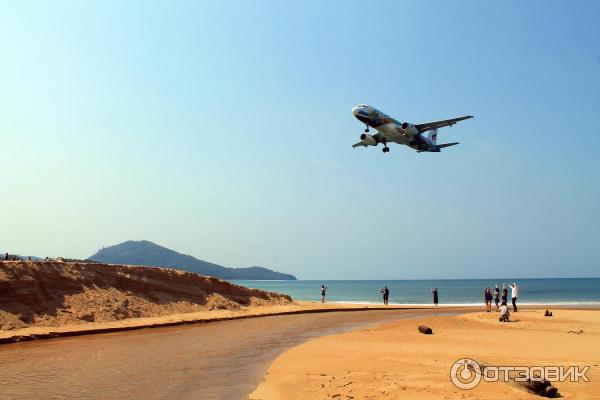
<point x="433" y="136"/>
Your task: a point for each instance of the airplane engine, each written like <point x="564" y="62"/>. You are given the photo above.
<point x="409" y="129"/>
<point x="368" y="139"/>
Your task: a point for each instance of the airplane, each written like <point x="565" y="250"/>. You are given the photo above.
<point x="390" y="130"/>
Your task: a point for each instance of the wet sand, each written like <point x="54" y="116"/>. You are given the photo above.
<point x="218" y="360"/>
<point x="175" y="319"/>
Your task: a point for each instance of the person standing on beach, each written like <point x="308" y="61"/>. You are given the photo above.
<point x="487" y="295"/>
<point x="435" y="296"/>
<point x="386" y="295"/>
<point x="504" y="293"/>
<point x="514" y="294"/>
<point x="497" y="297"/>
<point x="323" y="290"/>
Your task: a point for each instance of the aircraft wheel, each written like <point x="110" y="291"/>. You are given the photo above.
<point x="367" y="129"/>
<point x="386" y="149"/>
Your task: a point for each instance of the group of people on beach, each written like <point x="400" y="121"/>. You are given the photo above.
<point x="12" y="257"/>
<point x="501" y="307"/>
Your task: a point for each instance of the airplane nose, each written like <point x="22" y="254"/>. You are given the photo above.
<point x="355" y="111"/>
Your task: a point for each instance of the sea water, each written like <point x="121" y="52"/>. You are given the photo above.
<point x="567" y="291"/>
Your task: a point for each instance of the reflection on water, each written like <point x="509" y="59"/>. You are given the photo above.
<point x="221" y="360"/>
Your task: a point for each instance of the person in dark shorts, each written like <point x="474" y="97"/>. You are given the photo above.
<point x="504" y="293"/>
<point x="323" y="290"/>
<point x="497" y="297"/>
<point x="386" y="295"/>
<point x="487" y="296"/>
<point x="434" y="291"/>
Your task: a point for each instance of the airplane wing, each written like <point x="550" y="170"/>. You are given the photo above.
<point x="439" y="124"/>
<point x="376" y="136"/>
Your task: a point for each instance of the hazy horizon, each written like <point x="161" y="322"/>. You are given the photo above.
<point x="224" y="131"/>
<point x="501" y="279"/>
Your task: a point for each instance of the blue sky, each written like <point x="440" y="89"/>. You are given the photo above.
<point x="223" y="130"/>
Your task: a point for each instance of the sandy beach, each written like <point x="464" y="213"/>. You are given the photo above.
<point x="394" y="360"/>
<point x="343" y="351"/>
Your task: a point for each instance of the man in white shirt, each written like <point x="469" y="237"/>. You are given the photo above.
<point x="514" y="294"/>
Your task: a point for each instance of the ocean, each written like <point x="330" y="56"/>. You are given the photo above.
<point x="559" y="291"/>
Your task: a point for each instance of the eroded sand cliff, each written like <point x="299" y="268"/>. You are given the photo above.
<point x="59" y="293"/>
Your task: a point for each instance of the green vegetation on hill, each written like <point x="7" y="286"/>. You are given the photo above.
<point x="144" y="252"/>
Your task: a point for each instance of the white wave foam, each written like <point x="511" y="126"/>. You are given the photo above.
<point x="549" y="303"/>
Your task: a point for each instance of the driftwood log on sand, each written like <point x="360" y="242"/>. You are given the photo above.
<point x="539" y="386"/>
<point x="425" y="330"/>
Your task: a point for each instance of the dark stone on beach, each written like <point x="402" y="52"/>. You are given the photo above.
<point x="425" y="330"/>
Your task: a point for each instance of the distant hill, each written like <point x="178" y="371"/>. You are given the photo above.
<point x="144" y="252"/>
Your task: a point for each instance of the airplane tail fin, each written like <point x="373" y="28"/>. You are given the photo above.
<point x="432" y="136"/>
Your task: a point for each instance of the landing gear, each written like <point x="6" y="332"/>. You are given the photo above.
<point x="385" y="148"/>
<point x="367" y="129"/>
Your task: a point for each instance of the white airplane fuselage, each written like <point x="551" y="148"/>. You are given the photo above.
<point x="391" y="130"/>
